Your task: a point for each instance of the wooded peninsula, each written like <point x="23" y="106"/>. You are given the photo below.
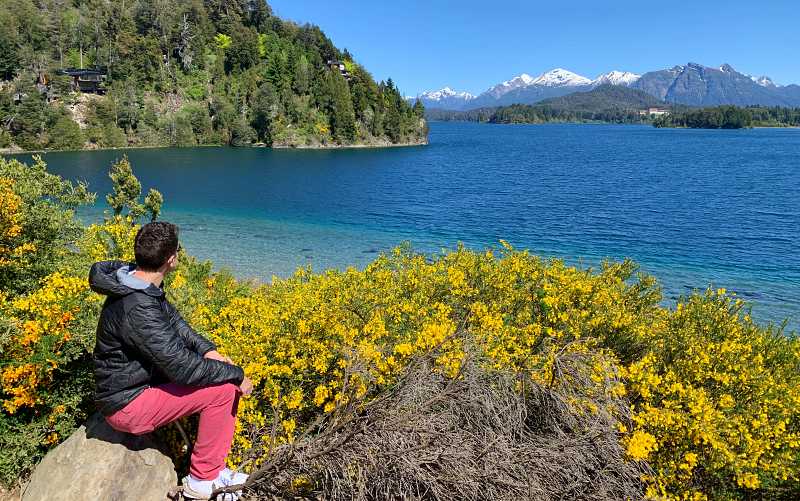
<point x="96" y="74"/>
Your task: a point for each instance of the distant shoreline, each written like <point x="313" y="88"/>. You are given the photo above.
<point x="344" y="146"/>
<point x="645" y="124"/>
<point x="14" y="151"/>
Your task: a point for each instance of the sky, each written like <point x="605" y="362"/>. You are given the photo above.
<point x="471" y="45"/>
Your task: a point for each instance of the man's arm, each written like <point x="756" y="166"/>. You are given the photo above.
<point x="193" y="340"/>
<point x="156" y="340"/>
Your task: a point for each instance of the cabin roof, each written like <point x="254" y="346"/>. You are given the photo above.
<point x="81" y="72"/>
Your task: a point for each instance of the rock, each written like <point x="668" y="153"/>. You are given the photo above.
<point x="99" y="463"/>
<point x="12" y="495"/>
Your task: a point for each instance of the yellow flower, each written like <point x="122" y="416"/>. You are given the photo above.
<point x="640" y="445"/>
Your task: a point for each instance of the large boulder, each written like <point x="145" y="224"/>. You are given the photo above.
<point x="99" y="463"/>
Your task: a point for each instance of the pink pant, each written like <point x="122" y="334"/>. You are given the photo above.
<point x="161" y="405"/>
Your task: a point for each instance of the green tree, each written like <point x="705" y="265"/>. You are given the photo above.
<point x="47" y="220"/>
<point x="113" y="137"/>
<point x="419" y="109"/>
<point x="29" y="123"/>
<point x="9" y="47"/>
<point x="241" y="132"/>
<point x="343" y="121"/>
<point x="152" y="203"/>
<point x="126" y="189"/>
<point x="243" y="51"/>
<point x="65" y="135"/>
<point x="222" y="41"/>
<point x="302" y="75"/>
<point x="265" y="108"/>
<point x="126" y="192"/>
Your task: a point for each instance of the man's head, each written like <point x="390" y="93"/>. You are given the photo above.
<point x="156" y="247"/>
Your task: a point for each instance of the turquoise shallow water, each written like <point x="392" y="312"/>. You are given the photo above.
<point x="695" y="208"/>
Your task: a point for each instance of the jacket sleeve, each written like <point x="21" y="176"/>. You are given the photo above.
<point x="193" y="340"/>
<point x="154" y="337"/>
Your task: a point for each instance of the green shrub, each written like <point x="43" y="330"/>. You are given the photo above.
<point x="65" y="135"/>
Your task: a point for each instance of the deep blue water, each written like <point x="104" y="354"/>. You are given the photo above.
<point x="693" y="207"/>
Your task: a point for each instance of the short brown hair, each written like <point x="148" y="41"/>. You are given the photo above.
<point x="154" y="244"/>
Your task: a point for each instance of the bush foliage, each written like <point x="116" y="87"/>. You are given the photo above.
<point x="712" y="400"/>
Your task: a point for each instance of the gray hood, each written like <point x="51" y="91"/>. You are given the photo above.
<point x="113" y="279"/>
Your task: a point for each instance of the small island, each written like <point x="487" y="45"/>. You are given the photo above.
<point x="180" y="74"/>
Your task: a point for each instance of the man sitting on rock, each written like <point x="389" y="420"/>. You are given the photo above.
<point x="151" y="368"/>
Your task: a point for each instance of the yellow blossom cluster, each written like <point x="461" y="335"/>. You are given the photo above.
<point x="44" y="322"/>
<point x="719" y="399"/>
<point x="19" y="382"/>
<point x="112" y="239"/>
<point x="11" y="250"/>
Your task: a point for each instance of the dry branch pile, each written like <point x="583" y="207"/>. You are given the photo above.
<point x="482" y="435"/>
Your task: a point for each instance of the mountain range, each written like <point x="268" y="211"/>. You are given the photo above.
<point x="691" y="84"/>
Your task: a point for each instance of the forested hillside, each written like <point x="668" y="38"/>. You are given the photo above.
<point x="182" y="73"/>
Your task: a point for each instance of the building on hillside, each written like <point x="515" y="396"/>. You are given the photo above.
<point x="41" y="88"/>
<point x="340" y="67"/>
<point x="655" y="111"/>
<point x="86" y="80"/>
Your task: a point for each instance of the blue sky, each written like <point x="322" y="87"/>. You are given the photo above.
<point x="471" y="45"/>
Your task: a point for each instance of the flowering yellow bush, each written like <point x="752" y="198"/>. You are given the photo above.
<point x="12" y="251"/>
<point x="720" y="400"/>
<point x="47" y="315"/>
<point x="298" y="338"/>
<point x="707" y="415"/>
<point x="44" y="323"/>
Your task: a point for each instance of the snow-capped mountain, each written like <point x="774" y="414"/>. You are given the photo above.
<point x="624" y="78"/>
<point x="525" y="89"/>
<point x="691" y="84"/>
<point x="509" y="85"/>
<point x="560" y="77"/>
<point x="446" y="93"/>
<point x="445" y="98"/>
<point x="764" y="81"/>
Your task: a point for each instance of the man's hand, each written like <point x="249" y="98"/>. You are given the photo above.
<point x="246" y="387"/>
<point x="215" y="355"/>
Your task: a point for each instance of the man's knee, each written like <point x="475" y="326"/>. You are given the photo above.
<point x="226" y="392"/>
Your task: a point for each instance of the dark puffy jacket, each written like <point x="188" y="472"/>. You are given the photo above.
<point x="143" y="341"/>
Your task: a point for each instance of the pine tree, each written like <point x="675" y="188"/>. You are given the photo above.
<point x="343" y="118"/>
<point x="302" y="75"/>
<point x="419" y="109"/>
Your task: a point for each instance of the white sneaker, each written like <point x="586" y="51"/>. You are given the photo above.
<point x="202" y="489"/>
<point x="233" y="477"/>
<point x="230" y="477"/>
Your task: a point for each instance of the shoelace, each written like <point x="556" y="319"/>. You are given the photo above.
<point x="227" y="481"/>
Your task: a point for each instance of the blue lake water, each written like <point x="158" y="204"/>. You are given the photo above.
<point x="693" y="207"/>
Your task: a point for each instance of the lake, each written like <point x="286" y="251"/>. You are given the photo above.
<point x="692" y="207"/>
